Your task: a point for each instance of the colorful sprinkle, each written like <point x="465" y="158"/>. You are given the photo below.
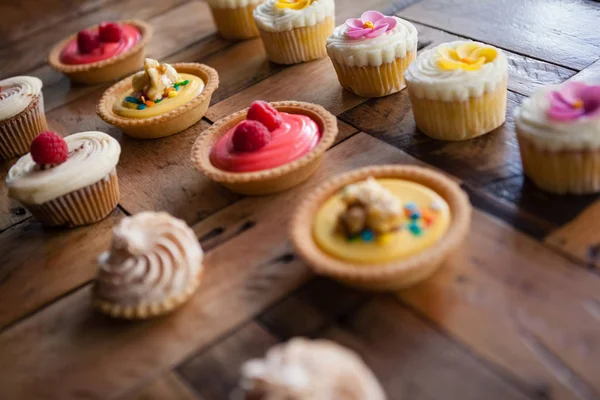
<point x="384" y="239"/>
<point x="367" y="236"/>
<point x="435" y="206"/>
<point x="176" y="87"/>
<point x="183" y="83"/>
<point x="141" y="107"/>
<point x="131" y="99"/>
<point x="149" y="103"/>
<point x="411" y="206"/>
<point x="354" y="238"/>
<point x="428" y="217"/>
<point x="158" y="101"/>
<point x="172" y="94"/>
<point x="415" y="229"/>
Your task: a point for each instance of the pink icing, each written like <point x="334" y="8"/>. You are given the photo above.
<point x="574" y="100"/>
<point x="297" y="135"/>
<point x="71" y="55"/>
<point x="359" y="28"/>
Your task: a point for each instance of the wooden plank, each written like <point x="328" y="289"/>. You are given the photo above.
<point x="590" y="74"/>
<point x="559" y="31"/>
<point x="169" y="386"/>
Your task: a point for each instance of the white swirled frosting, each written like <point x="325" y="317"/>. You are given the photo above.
<point x="375" y="51"/>
<point x="92" y="157"/>
<point x="17" y="93"/>
<point x="270" y="18"/>
<point x="425" y="79"/>
<point x="532" y="121"/>
<point x="310" y="370"/>
<point x="153" y="256"/>
<point x="232" y="3"/>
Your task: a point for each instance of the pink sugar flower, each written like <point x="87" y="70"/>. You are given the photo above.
<point x="371" y="24"/>
<point x="574" y="100"/>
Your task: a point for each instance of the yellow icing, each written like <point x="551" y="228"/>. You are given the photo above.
<point x="468" y="56"/>
<point x="293" y="4"/>
<point x="391" y="246"/>
<point x="185" y="94"/>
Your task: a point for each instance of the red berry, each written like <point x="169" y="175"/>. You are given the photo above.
<point x="110" y="31"/>
<point x="250" y="136"/>
<point x="87" y="42"/>
<point x="263" y="112"/>
<point x="49" y="148"/>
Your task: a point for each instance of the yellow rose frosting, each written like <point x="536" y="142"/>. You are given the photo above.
<point x="293" y="4"/>
<point x="468" y="56"/>
<point x="426" y="218"/>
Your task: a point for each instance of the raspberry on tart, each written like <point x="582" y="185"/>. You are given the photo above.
<point x="110" y="32"/>
<point x="250" y="136"/>
<point x="49" y="148"/>
<point x="87" y="41"/>
<point x="262" y="111"/>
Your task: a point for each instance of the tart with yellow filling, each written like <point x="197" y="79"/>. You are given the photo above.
<point x="381" y="228"/>
<point x="159" y="101"/>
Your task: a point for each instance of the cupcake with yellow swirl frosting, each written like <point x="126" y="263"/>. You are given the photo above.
<point x="22" y="115"/>
<point x="159" y="101"/>
<point x="234" y="19"/>
<point x="371" y="53"/>
<point x="295" y="31"/>
<point x="458" y="90"/>
<point x="67" y="182"/>
<point x="153" y="266"/>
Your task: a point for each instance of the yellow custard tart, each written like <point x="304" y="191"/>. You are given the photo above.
<point x="159" y="101"/>
<point x="382" y="228"/>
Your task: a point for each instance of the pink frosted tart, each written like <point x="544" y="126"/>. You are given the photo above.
<point x="102" y="53"/>
<point x="267" y="148"/>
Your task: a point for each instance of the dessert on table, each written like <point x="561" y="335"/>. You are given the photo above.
<point x="234" y="19"/>
<point x="558" y="129"/>
<point x="22" y="115"/>
<point x="371" y="53"/>
<point x="159" y="101"/>
<point x="67" y="182"/>
<point x="102" y="53"/>
<point x="458" y="90"/>
<point x="303" y="369"/>
<point x="295" y="31"/>
<point x="381" y="228"/>
<point x="153" y="266"/>
<point x="266" y="148"/>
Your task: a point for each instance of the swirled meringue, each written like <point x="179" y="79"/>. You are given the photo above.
<point x="270" y="18"/>
<point x="16" y="94"/>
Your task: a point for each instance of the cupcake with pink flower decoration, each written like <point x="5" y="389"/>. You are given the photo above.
<point x="371" y="53"/>
<point x="559" y="137"/>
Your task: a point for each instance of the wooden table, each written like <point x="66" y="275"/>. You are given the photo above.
<point x="515" y="315"/>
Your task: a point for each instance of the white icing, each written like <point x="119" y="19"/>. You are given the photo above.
<point x="532" y="121"/>
<point x="270" y="18"/>
<point x="232" y="3"/>
<point x="373" y="52"/>
<point x="92" y="157"/>
<point x="17" y="93"/>
<point x="425" y="79"/>
<point x="153" y="256"/>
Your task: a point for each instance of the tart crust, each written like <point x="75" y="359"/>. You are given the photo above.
<point x="107" y="70"/>
<point x="271" y="180"/>
<point x="168" y="123"/>
<point x="393" y="275"/>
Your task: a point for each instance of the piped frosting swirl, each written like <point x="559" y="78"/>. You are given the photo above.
<point x="153" y="256"/>
<point x="17" y="93"/>
<point x="269" y="17"/>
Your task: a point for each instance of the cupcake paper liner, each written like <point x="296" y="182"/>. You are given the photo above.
<point x="460" y="120"/>
<point x="17" y="132"/>
<point x="235" y="23"/>
<point x="299" y="44"/>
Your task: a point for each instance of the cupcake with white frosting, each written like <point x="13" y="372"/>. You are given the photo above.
<point x="153" y="266"/>
<point x="22" y="115"/>
<point x="558" y="129"/>
<point x="295" y="31"/>
<point x="371" y="53"/>
<point x="67" y="182"/>
<point x="234" y="19"/>
<point x="458" y="90"/>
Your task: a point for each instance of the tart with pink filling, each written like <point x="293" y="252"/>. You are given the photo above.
<point x="267" y="148"/>
<point x="102" y="53"/>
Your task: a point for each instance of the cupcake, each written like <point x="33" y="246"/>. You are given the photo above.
<point x="295" y="31"/>
<point x="370" y="54"/>
<point x="153" y="266"/>
<point x="234" y="19"/>
<point x="266" y="148"/>
<point x="159" y="101"/>
<point x="458" y="90"/>
<point x="22" y="115"/>
<point x="558" y="129"/>
<point x="381" y="228"/>
<point x="67" y="182"/>
<point x="102" y="53"/>
<point x="303" y="369"/>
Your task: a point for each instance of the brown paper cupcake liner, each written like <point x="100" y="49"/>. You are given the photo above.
<point x="165" y="124"/>
<point x="81" y="207"/>
<point x="378" y="81"/>
<point x="272" y="180"/>
<point x="460" y="120"/>
<point x="17" y="132"/>
<point x="235" y="23"/>
<point x="393" y="275"/>
<point x="108" y="70"/>
<point x="299" y="44"/>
